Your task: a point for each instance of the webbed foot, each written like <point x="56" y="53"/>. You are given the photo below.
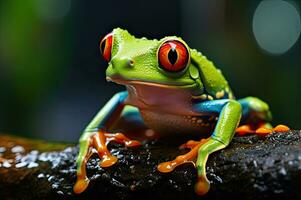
<point x="97" y="141"/>
<point x="189" y="157"/>
<point x="202" y="185"/>
<point x="261" y="130"/>
<point x="198" y="155"/>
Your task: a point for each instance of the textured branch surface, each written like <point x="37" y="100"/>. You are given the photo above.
<point x="250" y="168"/>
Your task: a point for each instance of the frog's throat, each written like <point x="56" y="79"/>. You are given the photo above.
<point x="138" y="82"/>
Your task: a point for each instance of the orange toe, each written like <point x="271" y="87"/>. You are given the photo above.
<point x="263" y="131"/>
<point x="202" y="186"/>
<point x="81" y="185"/>
<point x="243" y="130"/>
<point x="166" y="167"/>
<point x="108" y="161"/>
<point x="281" y="128"/>
<point x="132" y="143"/>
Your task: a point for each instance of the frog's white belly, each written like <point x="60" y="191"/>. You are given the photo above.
<point x="166" y="123"/>
<point x="168" y="110"/>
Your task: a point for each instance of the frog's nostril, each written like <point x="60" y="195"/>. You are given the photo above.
<point x="131" y="62"/>
<point x="126" y="62"/>
<point x="122" y="62"/>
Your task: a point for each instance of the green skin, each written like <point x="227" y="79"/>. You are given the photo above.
<point x="198" y="92"/>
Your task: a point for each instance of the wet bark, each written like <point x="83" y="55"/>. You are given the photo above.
<point x="251" y="167"/>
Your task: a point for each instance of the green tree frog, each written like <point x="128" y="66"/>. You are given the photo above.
<point x="175" y="89"/>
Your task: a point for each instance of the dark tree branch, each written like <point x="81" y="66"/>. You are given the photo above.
<point x="250" y="168"/>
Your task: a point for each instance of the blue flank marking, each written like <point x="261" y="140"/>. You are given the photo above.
<point x="118" y="101"/>
<point x="214" y="106"/>
<point x="245" y="107"/>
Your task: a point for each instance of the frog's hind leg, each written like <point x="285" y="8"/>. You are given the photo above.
<point x="256" y="118"/>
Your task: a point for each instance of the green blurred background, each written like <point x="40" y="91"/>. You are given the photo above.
<point x="52" y="78"/>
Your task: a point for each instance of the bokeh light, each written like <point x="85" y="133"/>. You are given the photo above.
<point x="276" y="25"/>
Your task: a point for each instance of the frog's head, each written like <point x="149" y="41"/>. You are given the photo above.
<point x="164" y="62"/>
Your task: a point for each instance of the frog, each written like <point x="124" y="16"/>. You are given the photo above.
<point x="175" y="90"/>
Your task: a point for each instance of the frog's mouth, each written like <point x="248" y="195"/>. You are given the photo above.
<point x="122" y="81"/>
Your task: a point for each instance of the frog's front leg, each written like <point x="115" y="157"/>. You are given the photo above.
<point x="230" y="112"/>
<point x="94" y="136"/>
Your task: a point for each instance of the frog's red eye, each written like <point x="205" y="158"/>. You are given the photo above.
<point x="106" y="46"/>
<point x="173" y="56"/>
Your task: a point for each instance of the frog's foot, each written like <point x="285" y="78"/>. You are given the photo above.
<point x="98" y="141"/>
<point x="198" y="155"/>
<point x="261" y="130"/>
<point x="189" y="157"/>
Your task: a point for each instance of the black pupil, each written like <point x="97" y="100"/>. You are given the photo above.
<point x="172" y="56"/>
<point x="102" y="46"/>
